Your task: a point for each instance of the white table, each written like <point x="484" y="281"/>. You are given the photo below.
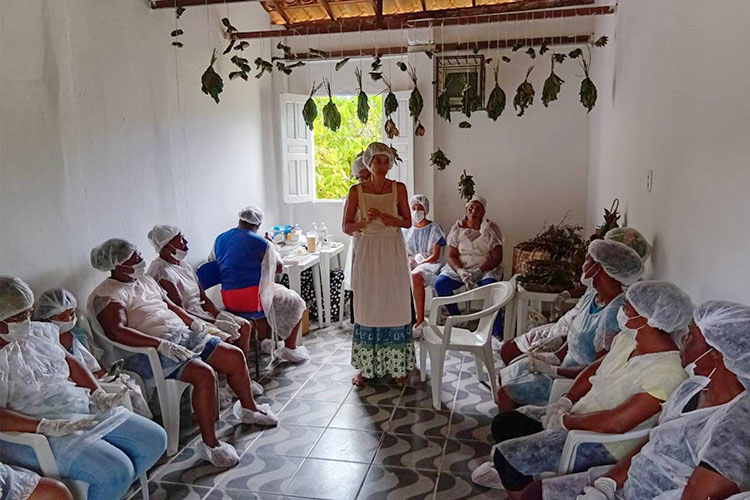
<point x="525" y="298"/>
<point x="326" y="254"/>
<point x="294" y="265"/>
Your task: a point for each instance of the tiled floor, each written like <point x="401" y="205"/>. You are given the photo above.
<point x="338" y="442"/>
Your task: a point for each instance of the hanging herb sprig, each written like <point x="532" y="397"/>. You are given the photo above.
<point x="243" y="68"/>
<point x="588" y="92"/>
<point x="363" y="104"/>
<point x="524" y="94"/>
<point x="466" y="186"/>
<point x="341" y="63"/>
<point x="310" y="109"/>
<point x="443" y="105"/>
<point x="552" y="85"/>
<point x="331" y="115"/>
<point x="470" y="101"/>
<point x="177" y="32"/>
<point x="230" y="32"/>
<point x="211" y="82"/>
<point x="439" y="160"/>
<point x="390" y="106"/>
<point x="262" y="66"/>
<point x="496" y="101"/>
<point x="416" y="103"/>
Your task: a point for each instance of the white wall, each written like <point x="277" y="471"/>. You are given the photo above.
<point x="673" y="99"/>
<point x="93" y="143"/>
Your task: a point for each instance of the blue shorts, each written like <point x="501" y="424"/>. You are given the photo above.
<point x="208" y="349"/>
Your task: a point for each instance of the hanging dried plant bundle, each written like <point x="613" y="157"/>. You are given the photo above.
<point x="470" y="101"/>
<point x="601" y="41"/>
<point x="524" y="94"/>
<point x="341" y="63"/>
<point x="177" y="32"/>
<point x="419" y="131"/>
<point x="531" y="52"/>
<point x="390" y="105"/>
<point x="331" y="115"/>
<point x="496" y="101"/>
<point x="559" y="58"/>
<point x="416" y="103"/>
<point x="376" y="64"/>
<point x="439" y="160"/>
<point x="443" y="105"/>
<point x="401" y="65"/>
<point x="179" y="11"/>
<point x="363" y="104"/>
<point x="390" y="129"/>
<point x="466" y="186"/>
<point x="230" y="32"/>
<point x="552" y="86"/>
<point x="243" y="68"/>
<point x="588" y="92"/>
<point x="543" y="49"/>
<point x="211" y="82"/>
<point x="285" y="48"/>
<point x="310" y="109"/>
<point x="263" y="66"/>
<point x="464" y="124"/>
<point x="376" y="76"/>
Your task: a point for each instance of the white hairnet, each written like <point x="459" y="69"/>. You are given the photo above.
<point x="726" y="328"/>
<point x="631" y="237"/>
<point x="663" y="304"/>
<point x="162" y="234"/>
<point x="377" y="148"/>
<point x="480" y="199"/>
<point x="53" y="302"/>
<point x="15" y="297"/>
<point x="619" y="261"/>
<point x="421" y="199"/>
<point x="358" y="165"/>
<point x="111" y="253"/>
<point x="251" y="215"/>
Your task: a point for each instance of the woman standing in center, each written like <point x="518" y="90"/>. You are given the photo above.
<point x="382" y="343"/>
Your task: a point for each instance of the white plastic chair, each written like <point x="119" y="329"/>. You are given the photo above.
<point x="48" y="465"/>
<point x="438" y="340"/>
<point x="560" y="386"/>
<point x="169" y="391"/>
<point x="577" y="438"/>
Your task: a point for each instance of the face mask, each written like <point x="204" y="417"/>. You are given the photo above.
<point x="691" y="367"/>
<point x="66" y="326"/>
<point x="138" y="269"/>
<point x="17" y="331"/>
<point x="589" y="282"/>
<point x="622" y="318"/>
<point x="178" y="254"/>
<point x="418" y="215"/>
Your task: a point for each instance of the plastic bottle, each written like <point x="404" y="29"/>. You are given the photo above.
<point x="323" y="234"/>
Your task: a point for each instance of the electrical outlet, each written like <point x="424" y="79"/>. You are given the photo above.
<point x="649" y="180"/>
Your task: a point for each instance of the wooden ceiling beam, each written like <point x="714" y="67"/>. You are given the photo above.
<point x="446" y="47"/>
<point x="480" y="15"/>
<point x="280" y="9"/>
<point x="424" y="5"/>
<point x="328" y="10"/>
<point x="171" y="4"/>
<point x="378" y="12"/>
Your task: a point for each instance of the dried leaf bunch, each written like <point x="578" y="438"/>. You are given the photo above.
<point x="211" y="82"/>
<point x="331" y="115"/>
<point x="363" y="104"/>
<point x="439" y="160"/>
<point x="310" y="109"/>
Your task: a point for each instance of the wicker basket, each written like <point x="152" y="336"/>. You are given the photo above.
<point x="521" y="259"/>
<point x="533" y="287"/>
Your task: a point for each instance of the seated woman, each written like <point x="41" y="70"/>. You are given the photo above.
<point x="699" y="449"/>
<point x="551" y="337"/>
<point x="608" y="267"/>
<point x="22" y="484"/>
<point x="133" y="310"/>
<point x="621" y="392"/>
<point x="45" y="390"/>
<point x="177" y="277"/>
<point x="248" y="264"/>
<point x="424" y="244"/>
<point x="475" y="255"/>
<point x="58" y="306"/>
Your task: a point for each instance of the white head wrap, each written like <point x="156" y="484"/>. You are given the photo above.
<point x="480" y="199"/>
<point x="162" y="234"/>
<point x="251" y="215"/>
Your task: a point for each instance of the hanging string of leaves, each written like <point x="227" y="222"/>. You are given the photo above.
<point x="211" y="82"/>
<point x="588" y="91"/>
<point x="262" y="66"/>
<point x="552" y="86"/>
<point x="470" y="101"/>
<point x="443" y="105"/>
<point x="466" y="186"/>
<point x="496" y="101"/>
<point x="230" y="32"/>
<point x="243" y="68"/>
<point x="310" y="109"/>
<point x="416" y="103"/>
<point x="331" y="115"/>
<point x="439" y="160"/>
<point x="363" y="104"/>
<point x="177" y="32"/>
<point x="524" y="94"/>
<point x="390" y="106"/>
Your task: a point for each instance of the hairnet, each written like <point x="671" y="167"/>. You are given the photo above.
<point x="421" y="199"/>
<point x="15" y="297"/>
<point x="480" y="199"/>
<point x="377" y="148"/>
<point x="53" y="302"/>
<point x="358" y="165"/>
<point x="631" y="237"/>
<point x="251" y="215"/>
<point x="726" y="328"/>
<point x="111" y="253"/>
<point x="619" y="261"/>
<point x="162" y="234"/>
<point x="663" y="304"/>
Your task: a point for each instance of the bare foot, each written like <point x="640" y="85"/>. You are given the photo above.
<point x="359" y="380"/>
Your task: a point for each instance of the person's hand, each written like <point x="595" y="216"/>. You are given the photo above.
<point x="64" y="426"/>
<point x="548" y="357"/>
<point x="174" y="351"/>
<point x="374" y="213"/>
<point x="554" y="422"/>
<point x="562" y="405"/>
<point x="106" y="400"/>
<point x="198" y="326"/>
<point x="604" y="489"/>
<point x="229" y="328"/>
<point x="536" y="365"/>
<point x="419" y="258"/>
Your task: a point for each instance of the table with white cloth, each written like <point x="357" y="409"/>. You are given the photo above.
<point x="293" y="267"/>
<point x="326" y="254"/>
<point x="525" y="298"/>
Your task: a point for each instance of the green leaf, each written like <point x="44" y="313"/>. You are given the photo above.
<point x="559" y="58"/>
<point x="401" y="65"/>
<point x="464" y="124"/>
<point x="179" y="11"/>
<point x="211" y="83"/>
<point x="287" y="49"/>
<point x="242" y="45"/>
<point x="588" y="94"/>
<point x="506" y="59"/>
<point x="470" y="101"/>
<point x="331" y="115"/>
<point x="376" y="76"/>
<point x="178" y="44"/>
<point x="496" y="101"/>
<point x="601" y="41"/>
<point x="573" y="54"/>
<point x="229" y="47"/>
<point x="310" y="109"/>
<point x="228" y="25"/>
<point x="466" y="186"/>
<point x="176" y="33"/>
<point x="443" y="106"/>
<point x="531" y="52"/>
<point x="416" y="103"/>
<point x="363" y="105"/>
<point x="518" y="46"/>
<point x="552" y="86"/>
<point x="543" y="49"/>
<point x="341" y="63"/>
<point x="524" y="95"/>
<point x="391" y="103"/>
<point x="376" y="64"/>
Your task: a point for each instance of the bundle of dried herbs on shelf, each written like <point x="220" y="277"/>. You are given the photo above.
<point x="243" y="68"/>
<point x="331" y="115"/>
<point x="262" y="66"/>
<point x="552" y="86"/>
<point x="524" y="94"/>
<point x="211" y="82"/>
<point x="439" y="160"/>
<point x="466" y="186"/>
<point x="416" y="103"/>
<point x="588" y="89"/>
<point x="496" y="101"/>
<point x="310" y="109"/>
<point x="470" y="101"/>
<point x="443" y="105"/>
<point x="549" y="276"/>
<point x="363" y="104"/>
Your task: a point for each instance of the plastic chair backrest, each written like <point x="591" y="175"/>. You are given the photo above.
<point x="495" y="296"/>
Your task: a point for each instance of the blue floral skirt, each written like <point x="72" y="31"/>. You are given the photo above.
<point x="381" y="351"/>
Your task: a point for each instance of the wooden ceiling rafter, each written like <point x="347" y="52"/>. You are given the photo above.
<point x="328" y="10"/>
<point x="277" y="4"/>
<point x="171" y="4"/>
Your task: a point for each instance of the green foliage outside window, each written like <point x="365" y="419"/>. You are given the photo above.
<point x="335" y="151"/>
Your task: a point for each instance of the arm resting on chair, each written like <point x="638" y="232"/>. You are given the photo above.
<point x="495" y="259"/>
<point x="618" y="420"/>
<point x="581" y="385"/>
<point x="114" y="320"/>
<point x="12" y="421"/>
<point x="80" y="374"/>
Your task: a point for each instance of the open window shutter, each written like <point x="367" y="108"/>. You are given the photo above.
<point x="297" y="151"/>
<point x="404" y="142"/>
